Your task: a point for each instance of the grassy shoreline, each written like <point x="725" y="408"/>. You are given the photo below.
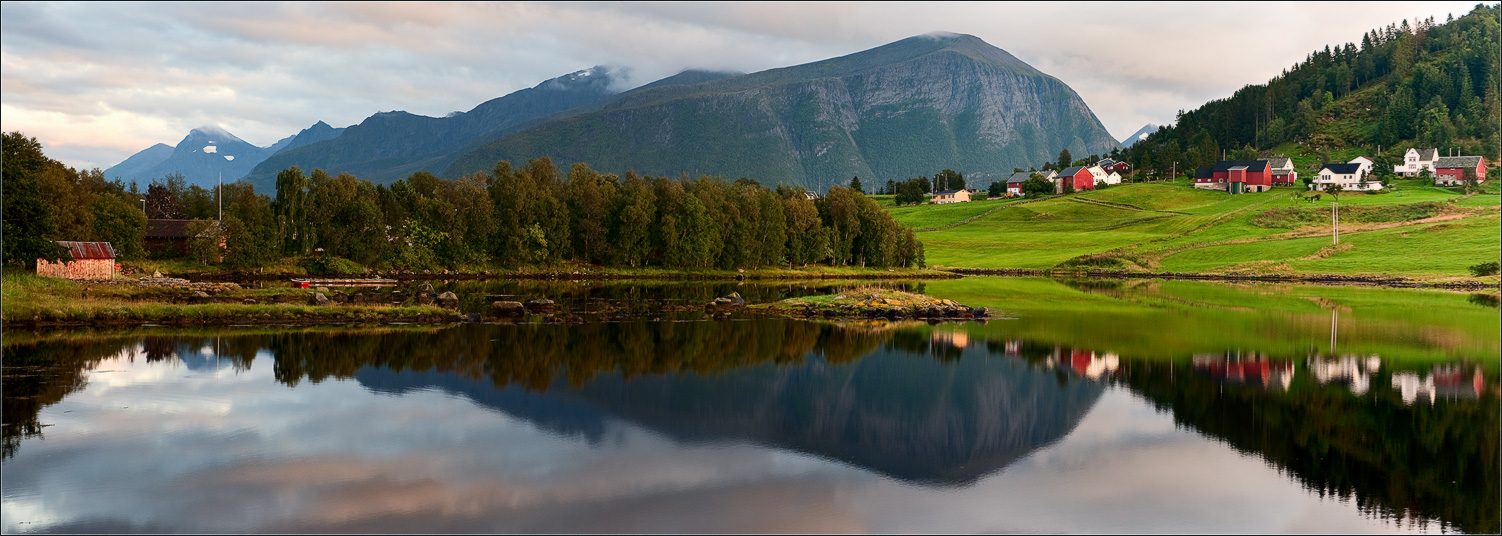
<point x="31" y="300"/>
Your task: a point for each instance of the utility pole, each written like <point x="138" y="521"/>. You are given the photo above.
<point x="1335" y="216"/>
<point x="1175" y="173"/>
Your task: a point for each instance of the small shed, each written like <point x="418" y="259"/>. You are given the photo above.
<point x="90" y="260"/>
<point x="167" y="235"/>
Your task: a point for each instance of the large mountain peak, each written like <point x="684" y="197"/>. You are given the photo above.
<point x="213" y="132"/>
<point x="907" y="108"/>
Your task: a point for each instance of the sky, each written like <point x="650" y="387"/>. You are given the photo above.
<point x="97" y="82"/>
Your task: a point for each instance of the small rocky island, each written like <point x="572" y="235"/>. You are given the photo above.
<point x="872" y="302"/>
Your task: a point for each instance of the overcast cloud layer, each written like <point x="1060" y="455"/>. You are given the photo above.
<point x="97" y="82"/>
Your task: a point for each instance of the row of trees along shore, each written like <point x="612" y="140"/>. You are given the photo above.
<point x="530" y="215"/>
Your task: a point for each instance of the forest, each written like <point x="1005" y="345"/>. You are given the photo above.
<point x="1424" y="85"/>
<point x="531" y="215"/>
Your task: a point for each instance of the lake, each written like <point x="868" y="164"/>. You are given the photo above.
<point x="1081" y="406"/>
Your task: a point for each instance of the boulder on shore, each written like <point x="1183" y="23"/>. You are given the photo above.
<point x="318" y="299"/>
<point x="448" y="300"/>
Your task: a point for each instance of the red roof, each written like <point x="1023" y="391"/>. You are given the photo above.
<point x="89" y="250"/>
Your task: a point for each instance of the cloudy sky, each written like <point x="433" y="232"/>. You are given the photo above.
<point x="97" y="82"/>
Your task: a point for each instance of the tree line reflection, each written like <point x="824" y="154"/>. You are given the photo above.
<point x="931" y="404"/>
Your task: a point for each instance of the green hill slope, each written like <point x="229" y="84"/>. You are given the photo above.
<point x="1425" y="232"/>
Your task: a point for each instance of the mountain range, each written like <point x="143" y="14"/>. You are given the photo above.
<point x="908" y="108"/>
<point x="209" y="153"/>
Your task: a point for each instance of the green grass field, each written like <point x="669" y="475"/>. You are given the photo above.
<point x="929" y="215"/>
<point x="1179" y="228"/>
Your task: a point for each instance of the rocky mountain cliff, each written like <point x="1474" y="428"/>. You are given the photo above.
<point x="911" y="107"/>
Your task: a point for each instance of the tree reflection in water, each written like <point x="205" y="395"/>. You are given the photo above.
<point x="928" y="404"/>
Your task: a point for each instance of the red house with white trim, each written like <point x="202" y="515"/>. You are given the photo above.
<point x="1450" y="170"/>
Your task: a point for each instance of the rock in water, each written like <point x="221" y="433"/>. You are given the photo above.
<point x="540" y="305"/>
<point x="448" y="300"/>
<point x="508" y="308"/>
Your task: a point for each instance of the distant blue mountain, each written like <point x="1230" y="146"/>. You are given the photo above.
<point x="1139" y="135"/>
<point x="209" y="153"/>
<point x="392" y="145"/>
<point x="140" y="162"/>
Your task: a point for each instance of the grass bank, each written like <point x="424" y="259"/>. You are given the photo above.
<point x="42" y="301"/>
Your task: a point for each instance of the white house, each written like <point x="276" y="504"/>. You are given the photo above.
<point x="1416" y="160"/>
<point x="1366" y="164"/>
<point x="1113" y="178"/>
<point x="1349" y="176"/>
<point x="1098" y="174"/>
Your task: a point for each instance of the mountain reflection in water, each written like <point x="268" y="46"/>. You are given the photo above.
<point x="931" y="405"/>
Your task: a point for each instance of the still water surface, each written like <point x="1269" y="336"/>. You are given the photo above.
<point x="677" y="423"/>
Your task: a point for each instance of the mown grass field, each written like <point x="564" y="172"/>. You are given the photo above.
<point x="1173" y="227"/>
<point x="927" y="216"/>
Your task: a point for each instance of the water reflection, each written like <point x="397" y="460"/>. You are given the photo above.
<point x="1252" y="369"/>
<point x="931" y="405"/>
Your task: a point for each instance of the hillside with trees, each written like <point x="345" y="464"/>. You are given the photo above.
<point x="1404" y="85"/>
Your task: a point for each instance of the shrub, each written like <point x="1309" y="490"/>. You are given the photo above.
<point x="1485" y="269"/>
<point x="1093" y="261"/>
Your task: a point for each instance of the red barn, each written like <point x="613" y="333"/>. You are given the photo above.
<point x="90" y="260"/>
<point x="1078" y="176"/>
<point x="1235" y="176"/>
<point x="1450" y="170"/>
